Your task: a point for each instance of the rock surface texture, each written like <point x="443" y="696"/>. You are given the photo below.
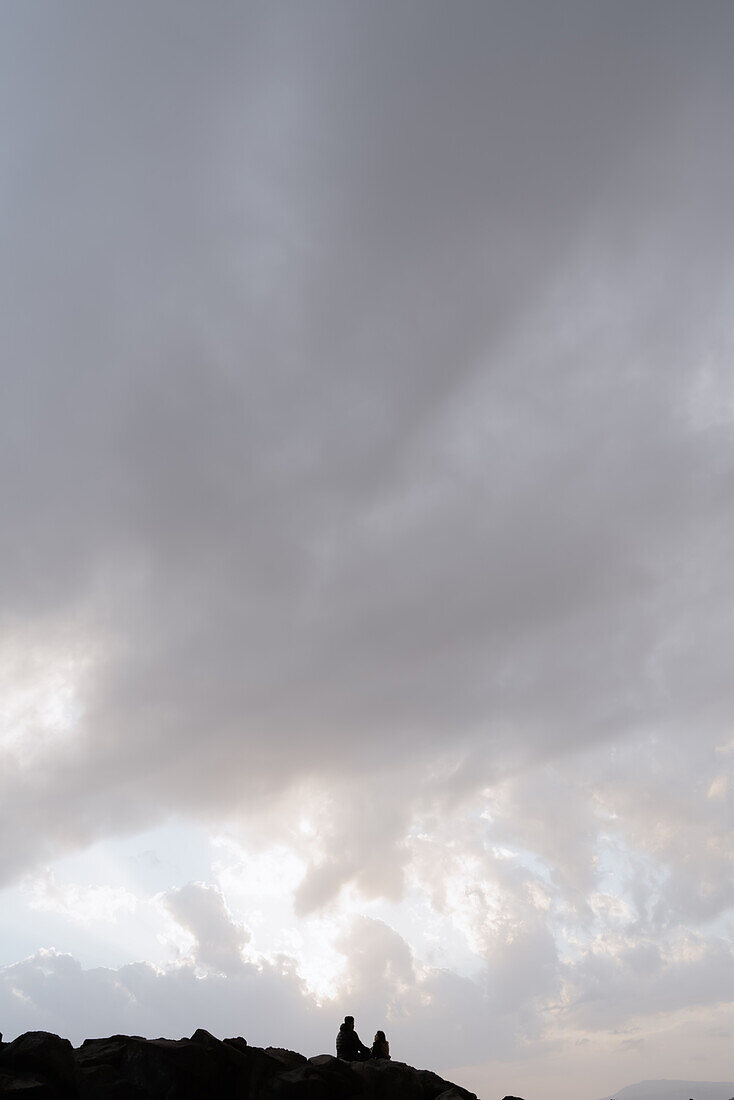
<point x="41" y="1066"/>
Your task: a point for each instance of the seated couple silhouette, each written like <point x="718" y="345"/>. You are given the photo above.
<point x="350" y="1048"/>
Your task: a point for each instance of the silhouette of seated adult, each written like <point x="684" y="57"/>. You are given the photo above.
<point x="380" y="1047"/>
<point x="349" y="1046"/>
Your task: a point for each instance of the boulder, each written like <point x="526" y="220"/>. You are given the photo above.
<point x="435" y="1086"/>
<point x="45" y="1056"/>
<point x="454" y="1093"/>
<point x="302" y="1083"/>
<point x="290" y="1058"/>
<point x="382" y="1079"/>
<point x="238" y="1043"/>
<point x="184" y="1069"/>
<point x="337" y="1078"/>
<point x="26" y="1086"/>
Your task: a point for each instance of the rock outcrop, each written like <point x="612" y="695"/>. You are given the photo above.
<point x="42" y="1066"/>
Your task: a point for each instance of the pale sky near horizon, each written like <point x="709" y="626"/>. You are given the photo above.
<point x="367" y="481"/>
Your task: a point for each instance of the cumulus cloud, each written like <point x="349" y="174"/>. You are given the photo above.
<point x="265" y="1001"/>
<point x="79" y="903"/>
<point x="366" y="467"/>
<point x="54" y="991"/>
<point x="202" y="911"/>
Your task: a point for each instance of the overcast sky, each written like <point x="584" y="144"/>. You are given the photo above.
<point x="367" y="485"/>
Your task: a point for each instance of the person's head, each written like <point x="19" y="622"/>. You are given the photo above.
<point x="379" y="1036"/>
<point x="349" y="1022"/>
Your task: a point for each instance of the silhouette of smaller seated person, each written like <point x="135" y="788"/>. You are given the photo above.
<point x="349" y="1046"/>
<point x="380" y="1047"/>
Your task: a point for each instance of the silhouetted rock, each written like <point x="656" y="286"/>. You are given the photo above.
<point x="324" y="1077"/>
<point x="290" y="1058"/>
<point x="26" y="1086"/>
<point x="44" y="1058"/>
<point x="389" y="1079"/>
<point x="435" y="1086"/>
<point x="238" y="1043"/>
<point x="41" y="1066"/>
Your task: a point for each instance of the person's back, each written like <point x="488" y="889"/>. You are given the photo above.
<point x="345" y="1044"/>
<point x="349" y="1047"/>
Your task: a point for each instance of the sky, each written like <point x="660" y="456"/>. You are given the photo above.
<point x="367" y="485"/>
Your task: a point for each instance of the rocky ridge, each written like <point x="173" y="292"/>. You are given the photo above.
<point x="43" y="1066"/>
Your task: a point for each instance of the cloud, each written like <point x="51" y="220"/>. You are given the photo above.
<point x="617" y="980"/>
<point x="266" y="1002"/>
<point x="337" y="447"/>
<point x="53" y="990"/>
<point x="366" y="467"/>
<point x="202" y="911"/>
<point x="79" y="903"/>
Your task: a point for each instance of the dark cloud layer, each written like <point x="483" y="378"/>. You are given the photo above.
<point x="367" y="406"/>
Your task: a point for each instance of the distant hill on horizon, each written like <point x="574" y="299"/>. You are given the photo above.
<point x="675" y="1090"/>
